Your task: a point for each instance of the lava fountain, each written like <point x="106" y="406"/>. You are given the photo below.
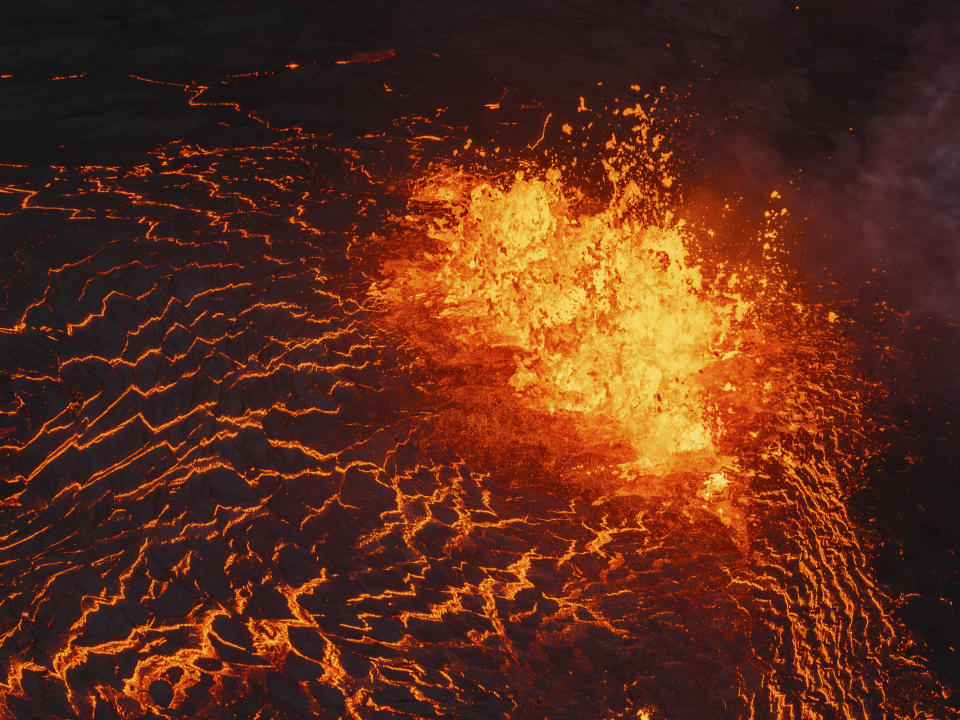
<point x="610" y="321"/>
<point x="617" y="316"/>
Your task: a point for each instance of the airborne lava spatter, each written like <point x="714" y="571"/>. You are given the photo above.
<point x="612" y="321"/>
<point x="218" y="502"/>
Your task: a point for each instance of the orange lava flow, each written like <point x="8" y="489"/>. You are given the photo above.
<point x="611" y="320"/>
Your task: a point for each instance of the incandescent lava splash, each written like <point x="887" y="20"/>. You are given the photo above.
<point x="606" y="308"/>
<point x="611" y="320"/>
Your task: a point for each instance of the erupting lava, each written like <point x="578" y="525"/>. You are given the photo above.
<point x="610" y="317"/>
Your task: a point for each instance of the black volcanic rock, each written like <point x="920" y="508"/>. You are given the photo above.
<point x="161" y="692"/>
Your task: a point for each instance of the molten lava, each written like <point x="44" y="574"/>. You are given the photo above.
<point x="611" y="320"/>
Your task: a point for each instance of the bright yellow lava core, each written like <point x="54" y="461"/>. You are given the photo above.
<point x="611" y="320"/>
